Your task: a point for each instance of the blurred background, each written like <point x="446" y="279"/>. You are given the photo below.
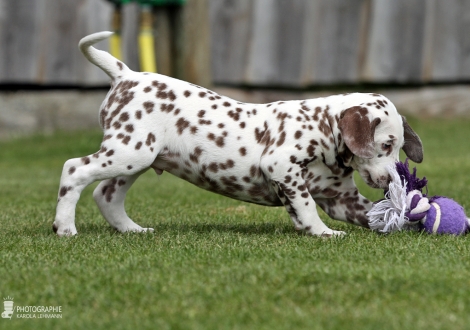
<point x="416" y="52"/>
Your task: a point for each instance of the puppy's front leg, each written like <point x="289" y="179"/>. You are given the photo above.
<point x="292" y="191"/>
<point x="349" y="206"/>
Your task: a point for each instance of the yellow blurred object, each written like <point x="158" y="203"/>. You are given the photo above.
<point x="115" y="40"/>
<point x="146" y="43"/>
<point x="115" y="46"/>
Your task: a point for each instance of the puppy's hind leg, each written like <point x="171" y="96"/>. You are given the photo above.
<point x="109" y="195"/>
<point x="112" y="161"/>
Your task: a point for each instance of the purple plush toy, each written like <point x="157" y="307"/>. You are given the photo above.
<point x="406" y="207"/>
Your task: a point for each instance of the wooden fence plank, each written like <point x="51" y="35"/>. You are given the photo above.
<point x="130" y="34"/>
<point x="310" y="37"/>
<point x="395" y="44"/>
<point x="446" y="39"/>
<point x="192" y="43"/>
<point x="20" y="22"/>
<point x="409" y="60"/>
<point x="92" y="16"/>
<point x="428" y="41"/>
<point x="347" y="40"/>
<point x="164" y="51"/>
<point x="59" y="43"/>
<point x="261" y="67"/>
<point x="230" y="33"/>
<point x="465" y="41"/>
<point x="336" y="50"/>
<point x="289" y="34"/>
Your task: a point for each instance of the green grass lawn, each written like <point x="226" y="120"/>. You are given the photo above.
<point x="216" y="263"/>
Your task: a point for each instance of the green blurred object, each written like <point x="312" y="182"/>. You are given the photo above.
<point x="150" y="2"/>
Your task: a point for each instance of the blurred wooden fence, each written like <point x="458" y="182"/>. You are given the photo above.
<point x="39" y="38"/>
<point x="298" y="43"/>
<point x="290" y="43"/>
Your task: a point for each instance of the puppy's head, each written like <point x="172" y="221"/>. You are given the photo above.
<point x="375" y="138"/>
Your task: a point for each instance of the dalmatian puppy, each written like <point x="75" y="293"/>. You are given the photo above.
<point x="292" y="153"/>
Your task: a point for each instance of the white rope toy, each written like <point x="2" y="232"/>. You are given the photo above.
<point x="388" y="215"/>
<point x="405" y="207"/>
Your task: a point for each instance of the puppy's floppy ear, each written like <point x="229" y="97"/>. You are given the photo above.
<point x="413" y="147"/>
<point x="358" y="131"/>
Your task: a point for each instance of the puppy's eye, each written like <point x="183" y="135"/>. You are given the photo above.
<point x="386" y="146"/>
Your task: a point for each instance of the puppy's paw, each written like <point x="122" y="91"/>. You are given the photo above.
<point x="333" y="233"/>
<point x="327" y="233"/>
<point x="69" y="230"/>
<point x="135" y="229"/>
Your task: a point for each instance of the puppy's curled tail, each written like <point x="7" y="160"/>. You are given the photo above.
<point x="105" y="61"/>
